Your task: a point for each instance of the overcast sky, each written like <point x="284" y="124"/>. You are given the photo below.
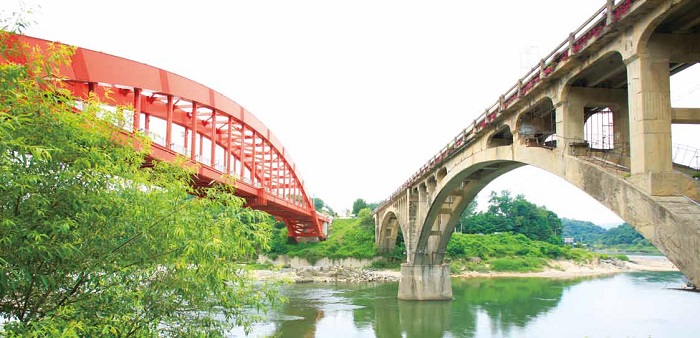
<point x="361" y="92"/>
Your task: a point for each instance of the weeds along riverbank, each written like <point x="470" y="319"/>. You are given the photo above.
<point x="556" y="269"/>
<point x="350" y="255"/>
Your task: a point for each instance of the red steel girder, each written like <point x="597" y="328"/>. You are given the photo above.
<point x="191" y="114"/>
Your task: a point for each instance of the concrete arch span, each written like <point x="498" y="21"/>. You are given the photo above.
<point x="668" y="222"/>
<point x="619" y="62"/>
<point x="388" y="231"/>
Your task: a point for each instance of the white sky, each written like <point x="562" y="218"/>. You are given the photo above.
<point x="361" y="92"/>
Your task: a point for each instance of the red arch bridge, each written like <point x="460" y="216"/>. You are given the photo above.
<point x="186" y="118"/>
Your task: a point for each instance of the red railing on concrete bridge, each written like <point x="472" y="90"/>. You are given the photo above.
<point x="187" y="119"/>
<point x="599" y="24"/>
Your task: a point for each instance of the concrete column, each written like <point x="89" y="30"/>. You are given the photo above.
<point x="649" y="97"/>
<point x="425" y="282"/>
<point x="570" y="119"/>
<point x="423" y="201"/>
<point x="621" y="126"/>
<point x="569" y="124"/>
<point x="621" y="133"/>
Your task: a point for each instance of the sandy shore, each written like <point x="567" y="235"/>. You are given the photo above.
<point x="570" y="269"/>
<point x="557" y="269"/>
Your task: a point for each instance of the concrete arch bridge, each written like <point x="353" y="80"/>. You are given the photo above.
<point x="595" y="112"/>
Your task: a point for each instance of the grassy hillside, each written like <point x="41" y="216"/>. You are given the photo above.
<point x="346" y="238"/>
<point x="507" y="252"/>
<point x="497" y="252"/>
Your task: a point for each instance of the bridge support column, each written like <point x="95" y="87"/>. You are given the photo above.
<point x="425" y="282"/>
<point x="649" y="96"/>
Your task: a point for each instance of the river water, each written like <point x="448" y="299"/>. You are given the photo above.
<point x="635" y="304"/>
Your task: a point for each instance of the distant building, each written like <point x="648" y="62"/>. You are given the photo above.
<point x="569" y="240"/>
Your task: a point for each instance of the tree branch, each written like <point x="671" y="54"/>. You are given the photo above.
<point x="155" y="256"/>
<point x="134" y="237"/>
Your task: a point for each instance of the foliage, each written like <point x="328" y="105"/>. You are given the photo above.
<point x="16" y="21"/>
<point x="321" y="206"/>
<point x="358" y="205"/>
<point x="582" y="231"/>
<point x="623" y="238"/>
<point x="347" y="238"/>
<point x="621" y="257"/>
<point x="385" y="265"/>
<point x="318" y="204"/>
<point x="626" y="248"/>
<point x="480" y="252"/>
<point x="518" y="264"/>
<point x="513" y="214"/>
<point x="96" y="242"/>
<point x="623" y="234"/>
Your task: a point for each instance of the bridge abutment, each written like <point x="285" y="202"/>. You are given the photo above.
<point x="425" y="282"/>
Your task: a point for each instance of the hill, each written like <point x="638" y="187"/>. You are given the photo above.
<point x="621" y="238"/>
<point x="582" y="231"/>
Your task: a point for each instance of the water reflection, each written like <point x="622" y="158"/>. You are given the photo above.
<point x="375" y="309"/>
<point x="481" y="308"/>
<point x="508" y="302"/>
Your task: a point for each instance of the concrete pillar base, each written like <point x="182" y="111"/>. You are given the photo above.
<point x="660" y="183"/>
<point x="425" y="282"/>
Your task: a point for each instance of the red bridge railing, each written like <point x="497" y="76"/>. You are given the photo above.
<point x="592" y="29"/>
<point x="187" y="119"/>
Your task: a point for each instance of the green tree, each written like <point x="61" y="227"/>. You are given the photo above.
<point x="321" y="206"/>
<point x="94" y="241"/>
<point x="468" y="213"/>
<point x="514" y="214"/>
<point x="582" y="231"/>
<point x="318" y="204"/>
<point x="366" y="219"/>
<point x="623" y="234"/>
<point x="358" y="205"/>
<point x="372" y="206"/>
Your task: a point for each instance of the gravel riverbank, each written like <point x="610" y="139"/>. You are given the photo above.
<point x="556" y="269"/>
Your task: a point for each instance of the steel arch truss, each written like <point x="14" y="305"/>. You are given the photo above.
<point x="185" y="118"/>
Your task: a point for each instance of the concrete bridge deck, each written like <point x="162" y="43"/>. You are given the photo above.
<point x="596" y="112"/>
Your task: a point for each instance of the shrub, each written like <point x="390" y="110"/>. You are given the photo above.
<point x="385" y="265"/>
<point x="622" y="257"/>
<point x="517" y="264"/>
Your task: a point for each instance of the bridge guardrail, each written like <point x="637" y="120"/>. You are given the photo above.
<point x="686" y="156"/>
<point x="577" y="41"/>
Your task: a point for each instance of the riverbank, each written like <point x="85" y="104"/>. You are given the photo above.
<point x="569" y="269"/>
<point x="559" y="269"/>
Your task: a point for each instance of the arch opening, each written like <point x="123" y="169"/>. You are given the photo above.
<point x="388" y="230"/>
<point x="537" y="126"/>
<point x="502" y="137"/>
<point x="598" y="128"/>
<point x="480" y="179"/>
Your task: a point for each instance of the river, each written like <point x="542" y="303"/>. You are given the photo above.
<point x="633" y="304"/>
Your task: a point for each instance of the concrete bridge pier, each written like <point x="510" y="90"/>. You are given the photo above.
<point x="425" y="282"/>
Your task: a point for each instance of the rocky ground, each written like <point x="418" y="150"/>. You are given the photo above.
<point x="557" y="269"/>
<point x="331" y="274"/>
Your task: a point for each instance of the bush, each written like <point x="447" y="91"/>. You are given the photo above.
<point x="385" y="265"/>
<point x="517" y="264"/>
<point x="622" y="257"/>
<point x="349" y="238"/>
<point x="460" y="265"/>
